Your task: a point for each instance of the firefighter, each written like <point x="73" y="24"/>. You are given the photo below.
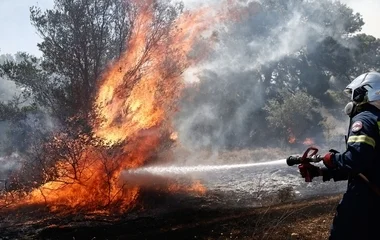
<point x="358" y="213"/>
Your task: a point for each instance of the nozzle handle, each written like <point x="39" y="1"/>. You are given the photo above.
<point x="293" y="160"/>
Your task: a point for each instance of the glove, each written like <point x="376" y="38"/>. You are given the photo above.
<point x="309" y="172"/>
<point x="328" y="159"/>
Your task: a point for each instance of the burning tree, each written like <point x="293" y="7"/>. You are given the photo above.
<point x="109" y="122"/>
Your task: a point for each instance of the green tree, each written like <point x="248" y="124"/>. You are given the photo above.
<point x="367" y="54"/>
<point x="79" y="38"/>
<point x="293" y="115"/>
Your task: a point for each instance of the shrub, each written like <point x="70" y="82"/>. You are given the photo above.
<point x="293" y="115"/>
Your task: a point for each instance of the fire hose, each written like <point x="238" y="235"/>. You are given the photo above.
<point x="311" y="156"/>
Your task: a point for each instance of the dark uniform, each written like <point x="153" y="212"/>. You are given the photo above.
<point x="357" y="215"/>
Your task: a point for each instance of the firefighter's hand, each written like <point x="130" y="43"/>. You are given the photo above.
<point x="328" y="159"/>
<point x="310" y="171"/>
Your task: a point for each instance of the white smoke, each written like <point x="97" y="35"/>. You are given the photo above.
<point x="9" y="164"/>
<point x="8" y="88"/>
<point x="17" y="133"/>
<point x="193" y="4"/>
<point x="242" y="50"/>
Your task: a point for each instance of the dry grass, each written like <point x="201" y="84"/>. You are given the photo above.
<point x="306" y="220"/>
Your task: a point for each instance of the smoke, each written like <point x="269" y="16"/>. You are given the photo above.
<point x="19" y="128"/>
<point x="8" y="165"/>
<point x="193" y="4"/>
<point x="226" y="108"/>
<point x="8" y="89"/>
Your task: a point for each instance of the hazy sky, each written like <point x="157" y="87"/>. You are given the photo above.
<point x="16" y="33"/>
<point x="370" y="11"/>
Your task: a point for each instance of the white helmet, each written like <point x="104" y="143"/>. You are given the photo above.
<point x="365" y="88"/>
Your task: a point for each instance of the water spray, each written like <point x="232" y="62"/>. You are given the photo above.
<point x="183" y="170"/>
<point x="156" y="175"/>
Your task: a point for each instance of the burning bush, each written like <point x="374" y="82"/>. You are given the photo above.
<point x="79" y="167"/>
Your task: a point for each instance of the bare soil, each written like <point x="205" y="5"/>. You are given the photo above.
<point x="174" y="217"/>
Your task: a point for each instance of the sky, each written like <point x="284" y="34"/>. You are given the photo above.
<point x="370" y="11"/>
<point x="17" y="34"/>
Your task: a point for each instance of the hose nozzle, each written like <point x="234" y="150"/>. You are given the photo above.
<point x="295" y="160"/>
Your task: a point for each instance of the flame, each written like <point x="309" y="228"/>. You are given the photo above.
<point x="308" y="142"/>
<point x="198" y="187"/>
<point x="139" y="90"/>
<point x="291" y="136"/>
<point x="195" y="187"/>
<point x="92" y="185"/>
<point x="135" y="100"/>
<point x="136" y="97"/>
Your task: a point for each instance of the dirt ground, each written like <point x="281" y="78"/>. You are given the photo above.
<point x="181" y="219"/>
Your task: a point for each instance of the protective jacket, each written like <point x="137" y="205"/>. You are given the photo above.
<point x="358" y="213"/>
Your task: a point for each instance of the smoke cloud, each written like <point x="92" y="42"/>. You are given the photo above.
<point x="8" y="165"/>
<point x="225" y="110"/>
<point x="8" y="89"/>
<point x="17" y="133"/>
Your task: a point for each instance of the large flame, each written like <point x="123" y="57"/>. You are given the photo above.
<point x="136" y="98"/>
<point x="140" y="90"/>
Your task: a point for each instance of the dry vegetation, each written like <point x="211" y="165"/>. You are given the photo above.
<point x="176" y="217"/>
